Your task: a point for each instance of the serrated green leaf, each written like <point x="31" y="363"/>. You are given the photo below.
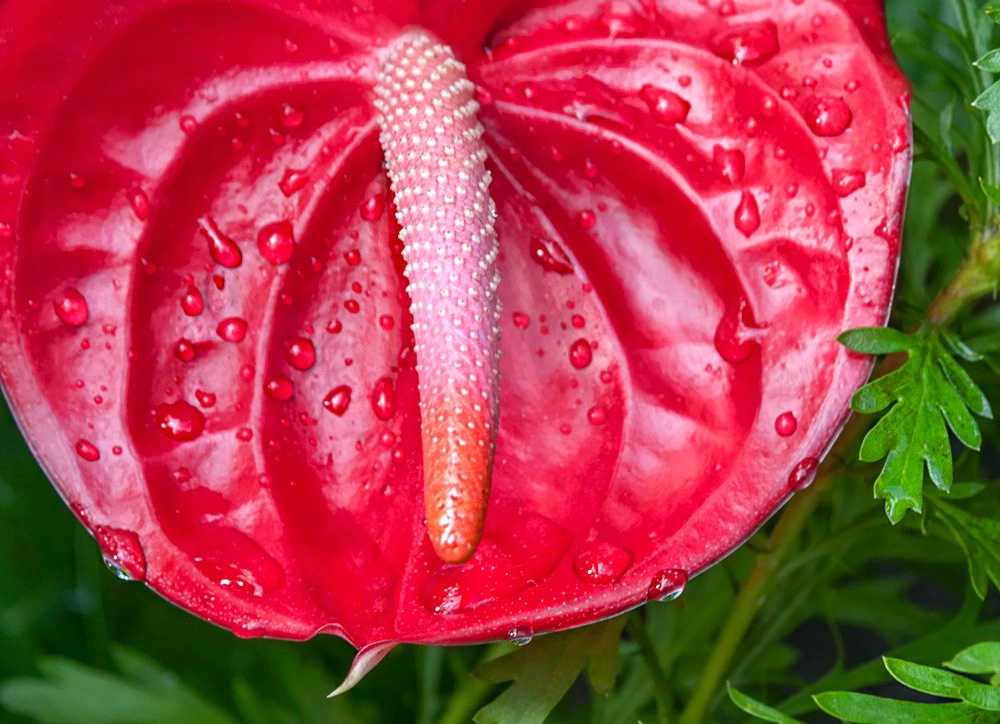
<point x="926" y="679"/>
<point x="868" y="709"/>
<point x="989" y="102"/>
<point x="927" y="392"/>
<point x="956" y="345"/>
<point x="875" y="340"/>
<point x="979" y="539"/>
<point x="756" y="708"/>
<point x="981" y="658"/>
<point x="544" y="670"/>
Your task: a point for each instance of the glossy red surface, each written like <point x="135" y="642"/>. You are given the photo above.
<point x="202" y="298"/>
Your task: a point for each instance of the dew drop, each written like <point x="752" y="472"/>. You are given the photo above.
<point x="179" y="421"/>
<point x="279" y="387"/>
<point x="71" y="307"/>
<point x="352" y="257"/>
<point x="521" y="320"/>
<point x="292" y="181"/>
<point x="586" y="219"/>
<point x="580" y="354"/>
<point x="352" y="306"/>
<point x="232" y="329"/>
<point x="737" y="335"/>
<point x="373" y="208"/>
<point x="205" y="399"/>
<point x="276" y="242"/>
<point x="386" y="322"/>
<point x="338" y="400"/>
<point x="749" y="45"/>
<point x="601" y="563"/>
<point x="300" y="353"/>
<point x="247" y="372"/>
<point x="185" y="350"/>
<point x="802" y="474"/>
<point x="188" y="124"/>
<point x="550" y="256"/>
<point x="244" y="434"/>
<point x="729" y="165"/>
<point x="667" y="585"/>
<point x="747" y="216"/>
<point x="666" y="106"/>
<point x="222" y="249"/>
<point x="139" y="202"/>
<point x="828" y="116"/>
<point x="334" y="326"/>
<point x="597" y="415"/>
<point x="847" y="182"/>
<point x="192" y="302"/>
<point x="87" y="450"/>
<point x="785" y="424"/>
<point x="123" y="552"/>
<point x="384" y="399"/>
<point x="290" y="116"/>
<point x="520" y="635"/>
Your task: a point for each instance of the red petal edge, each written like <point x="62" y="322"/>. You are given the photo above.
<point x="692" y="205"/>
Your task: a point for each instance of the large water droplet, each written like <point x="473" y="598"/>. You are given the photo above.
<point x="729" y="165"/>
<point x="276" y="242"/>
<point x="384" y="399"/>
<point x="747" y="216"/>
<point x="802" y="474"/>
<point x="785" y="424"/>
<point x="300" y="353"/>
<point x="87" y="450"/>
<point x="667" y="585"/>
<point x="179" y="421"/>
<point x="292" y="181"/>
<point x="232" y="329"/>
<point x="185" y="350"/>
<point x="597" y="415"/>
<point x="520" y="635"/>
<point x="737" y="335"/>
<point x="666" y="106"/>
<point x="205" y="399"/>
<point x="279" y="387"/>
<point x="71" y="307"/>
<point x="550" y="256"/>
<point x="373" y="208"/>
<point x="847" y="182"/>
<point x="580" y="354"/>
<point x="123" y="552"/>
<point x="601" y="563"/>
<point x="828" y="116"/>
<point x="521" y="320"/>
<point x="223" y="250"/>
<point x="748" y="45"/>
<point x="338" y="400"/>
<point x="192" y="302"/>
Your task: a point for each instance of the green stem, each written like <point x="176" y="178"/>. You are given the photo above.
<point x="977" y="277"/>
<point x="637" y="630"/>
<point x="472" y="693"/>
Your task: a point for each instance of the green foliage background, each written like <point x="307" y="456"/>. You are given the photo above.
<point x="809" y="605"/>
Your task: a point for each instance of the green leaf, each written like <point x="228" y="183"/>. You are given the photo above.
<point x="544" y="670"/>
<point x="868" y="709"/>
<point x="758" y="709"/>
<point x="989" y="102"/>
<point x="926" y="679"/>
<point x="981" y="658"/>
<point x="929" y="394"/>
<point x="979" y="538"/>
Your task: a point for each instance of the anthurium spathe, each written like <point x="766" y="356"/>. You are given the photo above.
<point x="255" y="292"/>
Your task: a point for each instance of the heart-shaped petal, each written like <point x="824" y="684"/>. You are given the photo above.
<point x="207" y="339"/>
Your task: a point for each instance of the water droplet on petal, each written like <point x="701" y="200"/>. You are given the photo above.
<point x="373" y="208"/>
<point x="667" y="585"/>
<point x="279" y="388"/>
<point x="550" y="256"/>
<point x="521" y="320"/>
<point x="293" y="181"/>
<point x="192" y="302"/>
<point x="139" y="202"/>
<point x="290" y="116"/>
<point x="601" y="563"/>
<point x="384" y="399"/>
<point x="748" y="45"/>
<point x="828" y="116"/>
<point x="338" y="400"/>
<point x="71" y="307"/>
<point x="847" y="182"/>
<point x="185" y="350"/>
<point x="666" y="106"/>
<point x="88" y="451"/>
<point x="205" y="399"/>
<point x="785" y="424"/>
<point x="737" y="335"/>
<point x="580" y="354"/>
<point x="276" y="242"/>
<point x="597" y="415"/>
<point x="300" y="353"/>
<point x="802" y="474"/>
<point x="123" y="552"/>
<point x="729" y="165"/>
<point x="222" y="249"/>
<point x="179" y="421"/>
<point x="520" y="635"/>
<point x="747" y="216"/>
<point x="352" y="257"/>
<point x="232" y="329"/>
<point x="587" y="219"/>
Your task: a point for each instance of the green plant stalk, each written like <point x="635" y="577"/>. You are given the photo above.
<point x="977" y="277"/>
<point x="472" y="693"/>
<point x="661" y="687"/>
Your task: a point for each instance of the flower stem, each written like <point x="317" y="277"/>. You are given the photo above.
<point x="977" y="277"/>
<point x="472" y="693"/>
<point x="661" y="687"/>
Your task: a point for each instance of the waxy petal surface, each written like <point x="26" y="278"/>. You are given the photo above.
<point x="206" y="338"/>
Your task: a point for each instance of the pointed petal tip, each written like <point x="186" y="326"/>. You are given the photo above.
<point x="366" y="659"/>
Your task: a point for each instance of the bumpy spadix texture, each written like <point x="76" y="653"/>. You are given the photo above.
<point x="437" y="164"/>
<point x="206" y="336"/>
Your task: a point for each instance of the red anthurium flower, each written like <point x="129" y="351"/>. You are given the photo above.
<point x="266" y="333"/>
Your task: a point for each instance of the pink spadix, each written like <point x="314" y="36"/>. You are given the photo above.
<point x="436" y="163"/>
